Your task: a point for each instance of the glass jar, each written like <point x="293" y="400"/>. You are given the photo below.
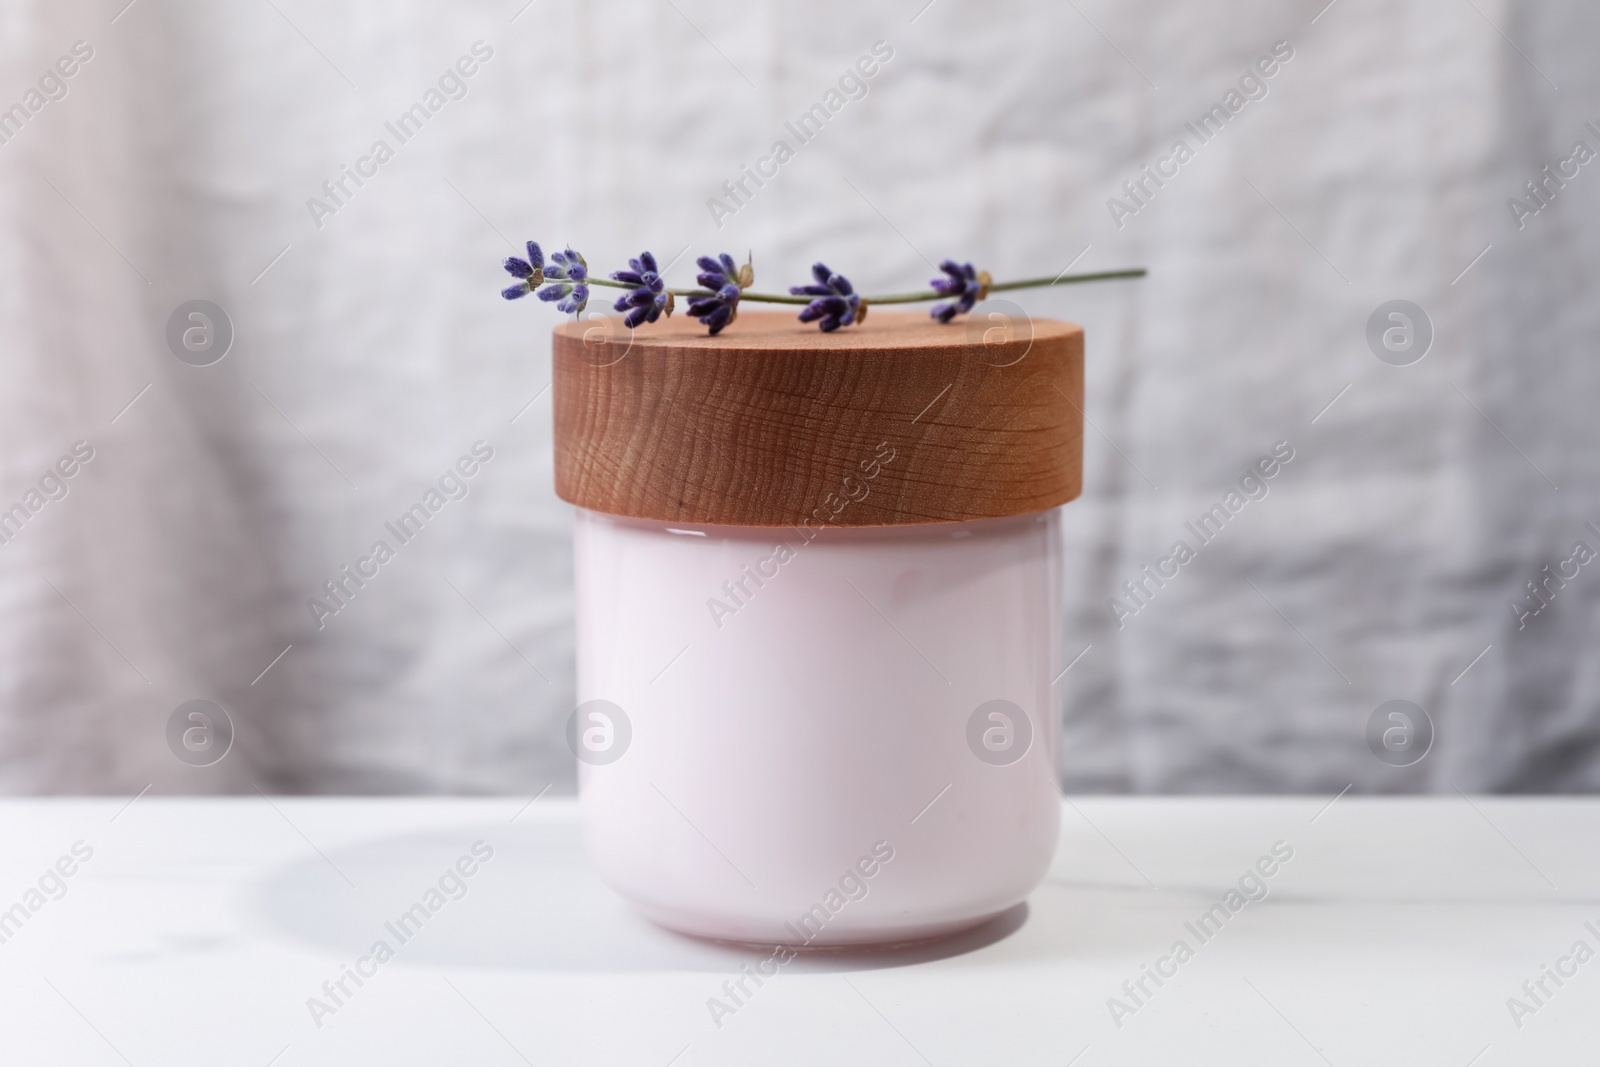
<point x="819" y="737"/>
<point x="819" y="613"/>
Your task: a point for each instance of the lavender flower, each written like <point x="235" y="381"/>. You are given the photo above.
<point x="837" y="303"/>
<point x="830" y="301"/>
<point x="964" y="283"/>
<point x="725" y="279"/>
<point x="570" y="273"/>
<point x="646" y="302"/>
<point x="530" y="270"/>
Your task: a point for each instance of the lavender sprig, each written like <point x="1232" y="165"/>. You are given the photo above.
<point x="831" y="301"/>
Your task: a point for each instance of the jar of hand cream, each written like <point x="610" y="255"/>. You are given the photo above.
<point x="819" y="603"/>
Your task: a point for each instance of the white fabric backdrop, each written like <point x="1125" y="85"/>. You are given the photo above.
<point x="374" y="352"/>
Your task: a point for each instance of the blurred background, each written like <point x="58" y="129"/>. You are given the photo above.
<point x="163" y="152"/>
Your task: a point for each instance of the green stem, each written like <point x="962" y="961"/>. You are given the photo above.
<point x="918" y="297"/>
<point x="766" y="298"/>
<point x="769" y="298"/>
<point x="998" y="287"/>
<point x="1063" y="279"/>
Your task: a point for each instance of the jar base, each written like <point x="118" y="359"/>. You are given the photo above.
<point x="823" y="941"/>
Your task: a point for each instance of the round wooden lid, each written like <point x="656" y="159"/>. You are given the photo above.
<point x="897" y="421"/>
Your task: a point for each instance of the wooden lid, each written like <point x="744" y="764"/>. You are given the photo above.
<point x="897" y="421"/>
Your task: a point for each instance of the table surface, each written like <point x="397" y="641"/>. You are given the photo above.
<point x="198" y="931"/>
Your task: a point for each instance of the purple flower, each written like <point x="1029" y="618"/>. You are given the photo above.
<point x="725" y="279"/>
<point x="649" y="299"/>
<point x="569" y="272"/>
<point x="836" y="303"/>
<point x="530" y="270"/>
<point x="963" y="282"/>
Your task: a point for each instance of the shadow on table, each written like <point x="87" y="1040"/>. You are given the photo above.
<point x="536" y="905"/>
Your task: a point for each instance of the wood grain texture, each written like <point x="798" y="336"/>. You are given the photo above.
<point x="898" y="421"/>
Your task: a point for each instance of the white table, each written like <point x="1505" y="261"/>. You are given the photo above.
<point x="198" y="929"/>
